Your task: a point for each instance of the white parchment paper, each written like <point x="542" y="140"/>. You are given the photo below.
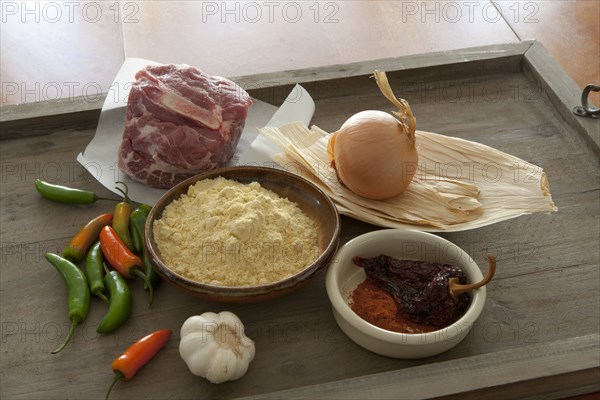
<point x="100" y="156"/>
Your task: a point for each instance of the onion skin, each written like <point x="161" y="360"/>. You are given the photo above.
<point x="374" y="155"/>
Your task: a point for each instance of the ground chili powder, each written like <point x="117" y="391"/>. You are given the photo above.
<point x="375" y="305"/>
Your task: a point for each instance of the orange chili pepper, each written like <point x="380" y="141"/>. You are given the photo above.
<point x="137" y="355"/>
<point x="88" y="235"/>
<point x="117" y="253"/>
<point x="120" y="222"/>
<point x="120" y="257"/>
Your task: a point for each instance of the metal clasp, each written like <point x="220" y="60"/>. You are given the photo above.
<point x="584" y="110"/>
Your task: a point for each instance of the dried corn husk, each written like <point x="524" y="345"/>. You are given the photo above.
<point x="459" y="184"/>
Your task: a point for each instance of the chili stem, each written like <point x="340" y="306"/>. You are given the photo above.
<point x="126" y="198"/>
<point x="69" y="336"/>
<point x="118" y="376"/>
<point x="140" y="274"/>
<point x="103" y="297"/>
<point x="456" y="288"/>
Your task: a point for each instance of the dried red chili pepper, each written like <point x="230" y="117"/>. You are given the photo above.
<point x="370" y="301"/>
<point x="419" y="288"/>
<point x="137" y="355"/>
<point x="77" y="248"/>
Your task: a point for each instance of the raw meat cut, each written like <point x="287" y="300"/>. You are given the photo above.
<point x="180" y="121"/>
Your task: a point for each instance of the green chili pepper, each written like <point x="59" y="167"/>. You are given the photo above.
<point x="121" y="258"/>
<point x="145" y="208"/>
<point x="137" y="222"/>
<point x="78" y="294"/>
<point x="149" y="270"/>
<point x="152" y="277"/>
<point x="120" y="305"/>
<point x="85" y="237"/>
<point x="120" y="221"/>
<point x="95" y="271"/>
<point x="64" y="194"/>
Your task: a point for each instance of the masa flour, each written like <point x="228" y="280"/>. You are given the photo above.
<point x="226" y="233"/>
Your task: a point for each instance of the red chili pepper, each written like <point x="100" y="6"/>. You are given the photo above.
<point x="137" y="355"/>
<point x="117" y="253"/>
<point x="120" y="257"/>
<point x="120" y="222"/>
<point x="88" y="235"/>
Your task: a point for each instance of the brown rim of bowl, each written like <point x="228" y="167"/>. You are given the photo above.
<point x="235" y="291"/>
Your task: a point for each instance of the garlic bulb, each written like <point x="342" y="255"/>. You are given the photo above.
<point x="374" y="153"/>
<point x="215" y="347"/>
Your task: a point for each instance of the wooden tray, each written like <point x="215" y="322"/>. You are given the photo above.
<point x="538" y="334"/>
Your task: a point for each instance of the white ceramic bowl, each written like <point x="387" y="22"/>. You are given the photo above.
<point x="343" y="276"/>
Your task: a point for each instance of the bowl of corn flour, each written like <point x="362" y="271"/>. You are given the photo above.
<point x="242" y="234"/>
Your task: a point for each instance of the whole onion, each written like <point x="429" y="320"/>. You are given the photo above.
<point x="374" y="153"/>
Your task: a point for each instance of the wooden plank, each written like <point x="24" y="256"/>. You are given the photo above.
<point x="299" y="346"/>
<point x="295" y="337"/>
<point x="492" y="54"/>
<point x="33" y="119"/>
<point x="43" y="117"/>
<point x="56" y="50"/>
<point x="562" y="91"/>
<point x="573" y="43"/>
<point x="538" y="368"/>
<point x="75" y="104"/>
<point x="360" y="30"/>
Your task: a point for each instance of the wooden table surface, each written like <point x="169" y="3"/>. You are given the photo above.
<point x="52" y="50"/>
<point x="538" y="336"/>
<point x="56" y="50"/>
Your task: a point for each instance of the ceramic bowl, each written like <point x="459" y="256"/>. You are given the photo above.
<point x="311" y="200"/>
<point x="343" y="276"/>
